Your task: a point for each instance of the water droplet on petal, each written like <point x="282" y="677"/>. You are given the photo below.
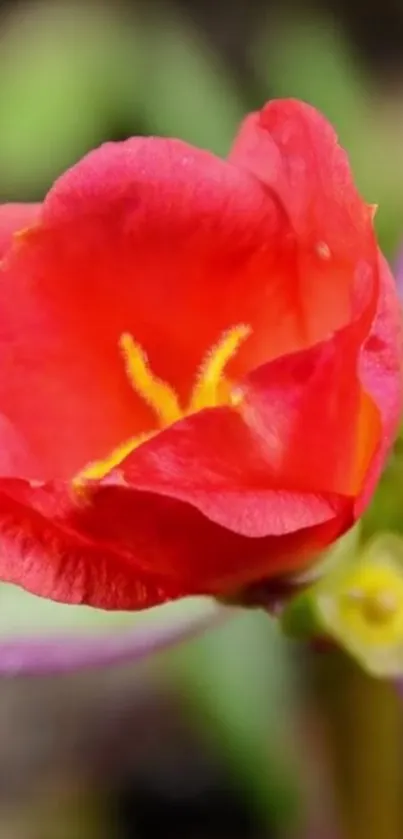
<point x="323" y="251"/>
<point x="236" y="397"/>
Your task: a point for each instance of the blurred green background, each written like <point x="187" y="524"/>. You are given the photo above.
<point x="224" y="737"/>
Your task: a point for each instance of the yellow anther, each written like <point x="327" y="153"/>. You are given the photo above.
<point x="211" y="389"/>
<point x="206" y="391"/>
<point x="158" y="394"/>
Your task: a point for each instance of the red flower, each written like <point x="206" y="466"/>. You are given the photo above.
<point x="199" y="366"/>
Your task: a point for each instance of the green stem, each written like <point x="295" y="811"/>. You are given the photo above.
<point x="363" y="733"/>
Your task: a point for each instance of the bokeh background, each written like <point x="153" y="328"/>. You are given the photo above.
<point x="238" y="734"/>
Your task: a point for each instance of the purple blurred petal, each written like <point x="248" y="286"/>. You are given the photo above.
<point x="42" y="655"/>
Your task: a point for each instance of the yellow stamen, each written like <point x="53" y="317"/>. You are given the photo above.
<point x="211" y="389"/>
<point x="99" y="468"/>
<point x="205" y="393"/>
<point x="158" y="394"/>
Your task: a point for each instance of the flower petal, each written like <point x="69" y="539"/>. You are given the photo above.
<point x="151" y="238"/>
<point x="215" y="463"/>
<point x="292" y="149"/>
<point x="129" y="549"/>
<point x="275" y="463"/>
<point x="382" y="375"/>
<point x="42" y="552"/>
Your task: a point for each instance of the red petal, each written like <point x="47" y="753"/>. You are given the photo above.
<point x="276" y="464"/>
<point x="170" y="244"/>
<point x="381" y="374"/>
<point x="174" y="550"/>
<point x="41" y="552"/>
<point x="149" y="237"/>
<point x="283" y="466"/>
<point x="292" y="149"/>
<point x="174" y="540"/>
<point x="230" y="472"/>
<point x="15" y="218"/>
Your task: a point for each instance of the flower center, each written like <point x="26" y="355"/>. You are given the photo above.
<point x="371" y="603"/>
<point x="211" y="389"/>
<point x="376" y="607"/>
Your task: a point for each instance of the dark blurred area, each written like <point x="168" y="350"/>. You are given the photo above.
<point x="136" y="750"/>
<point x="216" y="739"/>
<point x="188" y="744"/>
